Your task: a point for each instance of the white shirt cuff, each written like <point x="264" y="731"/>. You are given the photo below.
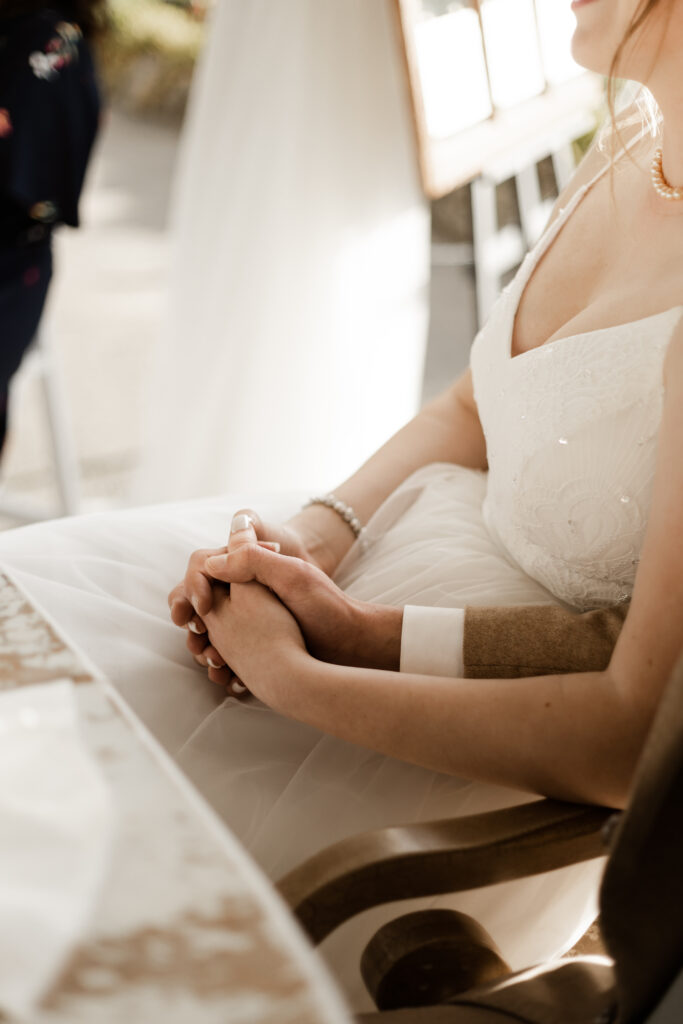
<point x="432" y="641"/>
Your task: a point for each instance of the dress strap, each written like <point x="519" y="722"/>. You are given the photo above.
<point x="644" y="129"/>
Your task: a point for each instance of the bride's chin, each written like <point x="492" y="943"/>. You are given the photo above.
<point x="590" y="43"/>
<point x="588" y="50"/>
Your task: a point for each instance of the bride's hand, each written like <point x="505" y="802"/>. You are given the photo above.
<point x="337" y="628"/>
<point x="191" y="599"/>
<point x="260" y="638"/>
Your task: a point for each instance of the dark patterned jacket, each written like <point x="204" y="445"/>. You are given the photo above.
<point x="49" y="114"/>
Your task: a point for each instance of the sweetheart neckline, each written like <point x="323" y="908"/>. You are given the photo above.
<point x="596" y="330"/>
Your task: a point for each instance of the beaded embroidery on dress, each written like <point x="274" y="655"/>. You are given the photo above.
<point x="571" y="431"/>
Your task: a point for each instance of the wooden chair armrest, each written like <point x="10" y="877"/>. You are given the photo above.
<point x="438" y="857"/>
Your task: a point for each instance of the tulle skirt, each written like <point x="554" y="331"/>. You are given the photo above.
<point x="285" y="789"/>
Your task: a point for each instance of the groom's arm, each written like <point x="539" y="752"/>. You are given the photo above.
<point x="489" y="642"/>
<point x="532" y="640"/>
<point x="509" y="641"/>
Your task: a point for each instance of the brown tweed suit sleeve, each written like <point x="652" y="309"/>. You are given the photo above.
<point x="532" y="640"/>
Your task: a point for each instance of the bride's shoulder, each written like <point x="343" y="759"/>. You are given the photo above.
<point x="610" y="141"/>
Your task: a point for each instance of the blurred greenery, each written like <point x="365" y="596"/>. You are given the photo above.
<point x="157" y="26"/>
<point x="148" y="54"/>
<point x="582" y="144"/>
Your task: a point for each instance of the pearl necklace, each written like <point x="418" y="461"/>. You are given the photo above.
<point x="661" y="185"/>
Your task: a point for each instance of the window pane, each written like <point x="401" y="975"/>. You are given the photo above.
<point x="556" y="25"/>
<point x="452" y="68"/>
<point x="512" y="49"/>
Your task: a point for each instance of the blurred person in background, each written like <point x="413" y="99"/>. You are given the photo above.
<point x="49" y="113"/>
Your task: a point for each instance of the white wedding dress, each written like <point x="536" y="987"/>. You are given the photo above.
<point x="571" y="433"/>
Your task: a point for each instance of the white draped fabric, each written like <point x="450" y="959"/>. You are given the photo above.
<point x="295" y="336"/>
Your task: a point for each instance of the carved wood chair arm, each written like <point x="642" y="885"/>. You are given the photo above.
<point x="437" y="857"/>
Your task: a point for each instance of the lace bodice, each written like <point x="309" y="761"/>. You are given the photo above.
<point x="571" y="430"/>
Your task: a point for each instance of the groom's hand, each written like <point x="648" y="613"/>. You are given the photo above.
<point x="191" y="598"/>
<point x="337" y="628"/>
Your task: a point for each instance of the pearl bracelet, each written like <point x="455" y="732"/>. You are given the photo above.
<point x="343" y="510"/>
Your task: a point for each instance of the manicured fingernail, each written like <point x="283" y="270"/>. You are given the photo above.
<point x="194" y="628"/>
<point x="194" y="601"/>
<point x="272" y="545"/>
<point x="238" y="688"/>
<point x="214" y="664"/>
<point x="241" y="522"/>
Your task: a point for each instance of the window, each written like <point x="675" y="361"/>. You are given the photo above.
<point x="484" y="72"/>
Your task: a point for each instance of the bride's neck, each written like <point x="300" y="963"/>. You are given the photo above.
<point x="670" y="103"/>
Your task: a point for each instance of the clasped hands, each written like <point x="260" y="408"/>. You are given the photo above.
<point x="255" y="608"/>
